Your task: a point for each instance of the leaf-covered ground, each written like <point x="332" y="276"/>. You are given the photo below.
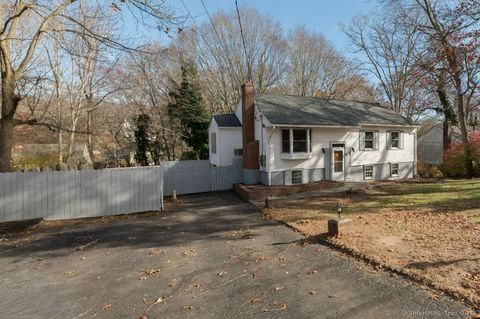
<point x="430" y="230"/>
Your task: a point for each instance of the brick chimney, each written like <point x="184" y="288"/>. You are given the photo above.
<point x="250" y="145"/>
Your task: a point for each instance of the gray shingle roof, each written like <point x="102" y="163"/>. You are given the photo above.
<point x="227" y="120"/>
<point x="297" y="110"/>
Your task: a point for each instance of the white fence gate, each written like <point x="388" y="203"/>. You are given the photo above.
<point x="188" y="177"/>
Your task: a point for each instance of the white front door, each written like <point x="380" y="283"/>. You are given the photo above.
<point x="338" y="163"/>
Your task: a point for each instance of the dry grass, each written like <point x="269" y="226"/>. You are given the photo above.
<point x="429" y="230"/>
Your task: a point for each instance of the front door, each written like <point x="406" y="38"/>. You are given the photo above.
<point x="338" y="163"/>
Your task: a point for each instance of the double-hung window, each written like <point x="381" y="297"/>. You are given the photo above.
<point x="296" y="141"/>
<point x="394" y="140"/>
<point x="297" y="177"/>
<point x="368" y="172"/>
<point x="369" y="140"/>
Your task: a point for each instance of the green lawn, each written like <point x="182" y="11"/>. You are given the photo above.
<point x="450" y="195"/>
<point x="457" y="195"/>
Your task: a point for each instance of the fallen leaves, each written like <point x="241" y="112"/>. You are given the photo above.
<point x="282" y="307"/>
<point x="312" y="292"/>
<point x="144" y="274"/>
<point x="277" y="288"/>
<point x="221" y="273"/>
<point x="106" y="306"/>
<point x="153" y="252"/>
<point x="255" y="300"/>
<point x="313" y="272"/>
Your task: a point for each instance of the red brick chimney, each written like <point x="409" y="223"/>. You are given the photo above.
<point x="250" y="145"/>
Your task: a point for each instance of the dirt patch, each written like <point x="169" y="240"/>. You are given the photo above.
<point x="260" y="191"/>
<point x="435" y="242"/>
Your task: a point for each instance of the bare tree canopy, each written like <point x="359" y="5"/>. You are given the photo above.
<point x="27" y="26"/>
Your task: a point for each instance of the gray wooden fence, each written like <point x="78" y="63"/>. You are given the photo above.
<point x="77" y="194"/>
<point x="188" y="177"/>
<point x="92" y="193"/>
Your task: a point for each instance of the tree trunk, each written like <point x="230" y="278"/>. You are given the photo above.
<point x="464" y="132"/>
<point x="90" y="134"/>
<point x="9" y="105"/>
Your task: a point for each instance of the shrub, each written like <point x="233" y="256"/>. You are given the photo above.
<point x="428" y="171"/>
<point x="32" y="162"/>
<point x="454" y="157"/>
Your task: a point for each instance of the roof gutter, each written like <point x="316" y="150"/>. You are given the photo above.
<point x="307" y="126"/>
<point x="362" y="125"/>
<point x="390" y="125"/>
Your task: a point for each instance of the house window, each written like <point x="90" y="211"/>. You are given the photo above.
<point x="310" y="140"/>
<point x="394" y="169"/>
<point x="213" y="143"/>
<point x="368" y="172"/>
<point x="369" y="140"/>
<point x="297" y="177"/>
<point x="296" y="140"/>
<point x="300" y="141"/>
<point x="238" y="151"/>
<point x="285" y="141"/>
<point x="394" y="140"/>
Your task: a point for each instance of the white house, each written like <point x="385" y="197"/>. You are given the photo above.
<point x="225" y="139"/>
<point x="292" y="140"/>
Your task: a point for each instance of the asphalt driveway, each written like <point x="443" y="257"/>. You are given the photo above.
<point x="212" y="256"/>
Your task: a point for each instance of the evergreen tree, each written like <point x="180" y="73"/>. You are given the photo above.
<point x="142" y="139"/>
<point x="187" y="107"/>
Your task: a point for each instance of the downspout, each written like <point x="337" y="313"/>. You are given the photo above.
<point x="269" y="170"/>
<point x="415" y="153"/>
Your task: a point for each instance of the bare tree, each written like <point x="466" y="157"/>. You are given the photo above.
<point x="24" y="26"/>
<point x="317" y="69"/>
<point x="221" y="60"/>
<point x="451" y="31"/>
<point x="149" y="78"/>
<point x="389" y="49"/>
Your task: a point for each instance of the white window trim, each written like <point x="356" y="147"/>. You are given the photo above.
<point x="291" y="154"/>
<point x="365" y="141"/>
<point x="365" y="172"/>
<point x="391" y="170"/>
<point x="391" y="140"/>
<point x="301" y="176"/>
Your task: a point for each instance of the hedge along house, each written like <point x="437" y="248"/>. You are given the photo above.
<point x="292" y="140"/>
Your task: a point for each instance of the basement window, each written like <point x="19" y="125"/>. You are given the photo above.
<point x="238" y="151"/>
<point x="394" y="170"/>
<point x="368" y="172"/>
<point x="297" y="177"/>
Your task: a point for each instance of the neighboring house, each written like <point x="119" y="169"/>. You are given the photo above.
<point x="225" y="132"/>
<point x="430" y="144"/>
<point x="292" y="140"/>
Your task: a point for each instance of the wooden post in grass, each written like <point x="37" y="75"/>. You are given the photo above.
<point x="337" y="226"/>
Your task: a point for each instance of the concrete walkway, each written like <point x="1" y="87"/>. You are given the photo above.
<point x="212" y="256"/>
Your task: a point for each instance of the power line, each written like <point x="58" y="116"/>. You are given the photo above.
<point x="249" y="69"/>
<point x="216" y="33"/>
